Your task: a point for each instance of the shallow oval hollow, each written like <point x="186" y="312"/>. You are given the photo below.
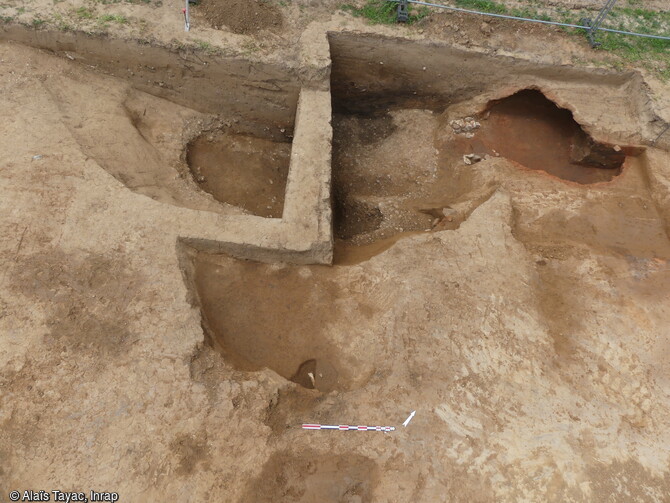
<point x="241" y="170"/>
<point x="277" y="317"/>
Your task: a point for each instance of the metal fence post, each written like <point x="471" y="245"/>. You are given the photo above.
<point x="594" y="25"/>
<point x="403" y="11"/>
<point x="187" y="17"/>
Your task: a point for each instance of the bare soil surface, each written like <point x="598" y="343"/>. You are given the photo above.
<point x="241" y="170"/>
<point x="518" y="303"/>
<point x="382" y="172"/>
<point x="395" y="173"/>
<point x="309" y="477"/>
<point x="239" y="16"/>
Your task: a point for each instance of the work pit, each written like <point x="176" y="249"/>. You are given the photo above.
<point x="238" y="246"/>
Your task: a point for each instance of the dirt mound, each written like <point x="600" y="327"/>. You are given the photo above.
<point x="241" y="16"/>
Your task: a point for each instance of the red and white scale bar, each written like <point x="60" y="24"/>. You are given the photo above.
<point x="346" y="427"/>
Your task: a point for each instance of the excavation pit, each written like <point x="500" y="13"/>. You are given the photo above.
<point x="379" y="180"/>
<point x="242" y="170"/>
<point x="464" y="322"/>
<point x="316" y="374"/>
<point x="533" y="131"/>
<point x="274" y="316"/>
<point x="401" y="163"/>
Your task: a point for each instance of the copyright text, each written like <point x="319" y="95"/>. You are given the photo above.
<point x="65" y="496"/>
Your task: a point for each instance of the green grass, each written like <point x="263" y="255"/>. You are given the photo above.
<point x="528" y="11"/>
<point x="205" y="46"/>
<point x="112" y="18"/>
<point x="482" y="5"/>
<point x="383" y="12"/>
<point x="84" y="13"/>
<point x="210" y="49"/>
<point x="651" y="53"/>
<point x="178" y="44"/>
<point x="111" y="2"/>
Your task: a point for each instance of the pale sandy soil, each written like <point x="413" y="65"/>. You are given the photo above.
<point x="524" y="316"/>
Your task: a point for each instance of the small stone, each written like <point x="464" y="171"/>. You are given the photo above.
<point x="471" y="158"/>
<point x="457" y="125"/>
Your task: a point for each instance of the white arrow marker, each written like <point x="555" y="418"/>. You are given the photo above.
<point x="409" y="419"/>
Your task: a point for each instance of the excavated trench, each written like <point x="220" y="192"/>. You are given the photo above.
<point x="243" y="170"/>
<point x="403" y="163"/>
<point x="279" y="316"/>
<point x="396" y="170"/>
<point x="161" y="124"/>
